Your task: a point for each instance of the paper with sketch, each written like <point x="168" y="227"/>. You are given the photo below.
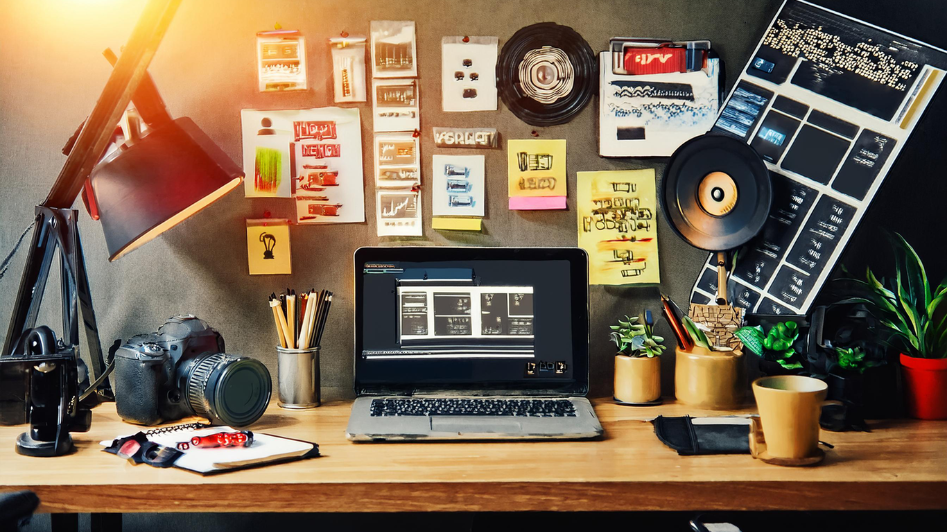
<point x="268" y="251"/>
<point x="457" y="185"/>
<point x="617" y="226"/>
<point x="397" y="184"/>
<point x="315" y="152"/>
<point x="536" y="168"/>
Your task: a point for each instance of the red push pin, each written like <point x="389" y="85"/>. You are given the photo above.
<point x="344" y="34"/>
<point x="534" y="133"/>
<point x="466" y="38"/>
<point x="416" y="134"/>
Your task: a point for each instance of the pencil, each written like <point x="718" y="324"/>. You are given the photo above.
<point x="291" y="319"/>
<point x="304" y="330"/>
<point x="683" y="339"/>
<point x="279" y="329"/>
<point x="317" y="311"/>
<point x="325" y="318"/>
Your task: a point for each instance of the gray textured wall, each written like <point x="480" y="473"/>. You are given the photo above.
<point x="205" y="68"/>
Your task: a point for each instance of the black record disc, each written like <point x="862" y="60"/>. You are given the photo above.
<point x="716" y="192"/>
<point x="546" y="74"/>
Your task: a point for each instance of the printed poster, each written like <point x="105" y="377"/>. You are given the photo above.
<point x="537" y="174"/>
<point x="268" y="250"/>
<point x="314" y="155"/>
<point x="617" y="226"/>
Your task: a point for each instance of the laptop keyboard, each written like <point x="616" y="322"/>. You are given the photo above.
<point x="473" y="407"/>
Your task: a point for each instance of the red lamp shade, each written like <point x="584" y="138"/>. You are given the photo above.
<point x="154" y="184"/>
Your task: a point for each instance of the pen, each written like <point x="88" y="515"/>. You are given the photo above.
<point x="683" y="339"/>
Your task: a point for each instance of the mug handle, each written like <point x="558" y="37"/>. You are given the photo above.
<point x="758" y="440"/>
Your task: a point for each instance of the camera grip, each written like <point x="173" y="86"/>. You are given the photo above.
<point x="136" y="390"/>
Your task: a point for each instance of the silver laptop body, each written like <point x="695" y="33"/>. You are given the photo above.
<point x="546" y="402"/>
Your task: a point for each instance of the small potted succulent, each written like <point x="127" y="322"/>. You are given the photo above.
<point x="637" y="366"/>
<point x="912" y="317"/>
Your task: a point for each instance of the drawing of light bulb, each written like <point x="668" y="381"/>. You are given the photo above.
<point x="269" y="242"/>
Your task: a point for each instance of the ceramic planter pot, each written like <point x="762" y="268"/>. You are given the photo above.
<point x="710" y="379"/>
<point x="637" y="379"/>
<point x="925" y="387"/>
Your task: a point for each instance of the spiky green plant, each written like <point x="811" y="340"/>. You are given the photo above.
<point x="911" y="312"/>
<point x="636" y="339"/>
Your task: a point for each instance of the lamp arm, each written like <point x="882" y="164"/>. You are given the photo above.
<point x="122" y="84"/>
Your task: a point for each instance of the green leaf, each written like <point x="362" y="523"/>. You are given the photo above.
<point x="919" y="287"/>
<point x="614" y="327"/>
<point x="752" y="338"/>
<point x="790" y="365"/>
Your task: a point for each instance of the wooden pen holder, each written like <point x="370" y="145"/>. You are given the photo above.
<point x="710" y="379"/>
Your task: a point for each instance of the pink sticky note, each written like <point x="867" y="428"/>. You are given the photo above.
<point x="546" y="203"/>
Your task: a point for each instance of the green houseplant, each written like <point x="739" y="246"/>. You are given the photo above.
<point x="913" y="318"/>
<point x="637" y="362"/>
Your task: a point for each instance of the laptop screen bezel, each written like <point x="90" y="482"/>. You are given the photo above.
<point x="579" y="278"/>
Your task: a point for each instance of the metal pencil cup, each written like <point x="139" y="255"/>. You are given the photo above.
<point x="298" y="376"/>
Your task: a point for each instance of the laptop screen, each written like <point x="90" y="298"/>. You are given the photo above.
<point x="476" y="319"/>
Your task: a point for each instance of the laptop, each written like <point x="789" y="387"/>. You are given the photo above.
<point x="471" y="344"/>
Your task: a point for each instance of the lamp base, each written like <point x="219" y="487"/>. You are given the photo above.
<point x="27" y="446"/>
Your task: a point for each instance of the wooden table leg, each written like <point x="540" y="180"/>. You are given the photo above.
<point x="64" y="522"/>
<point x="106" y="523"/>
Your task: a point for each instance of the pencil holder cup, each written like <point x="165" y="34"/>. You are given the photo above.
<point x="710" y="379"/>
<point x="298" y="377"/>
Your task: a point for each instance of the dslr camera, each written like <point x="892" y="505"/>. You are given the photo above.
<point x="182" y="370"/>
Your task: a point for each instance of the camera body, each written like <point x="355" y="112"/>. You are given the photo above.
<point x="182" y="370"/>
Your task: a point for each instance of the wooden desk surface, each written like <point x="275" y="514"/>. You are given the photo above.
<point x="900" y="465"/>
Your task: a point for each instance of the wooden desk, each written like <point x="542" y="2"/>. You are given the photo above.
<point x="901" y="465"/>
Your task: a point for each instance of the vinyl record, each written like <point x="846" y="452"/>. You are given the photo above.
<point x="716" y="192"/>
<point x="546" y="74"/>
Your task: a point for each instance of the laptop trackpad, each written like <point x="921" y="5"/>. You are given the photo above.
<point x="466" y="424"/>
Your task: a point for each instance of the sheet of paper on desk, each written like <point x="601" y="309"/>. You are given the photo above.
<point x="265" y="448"/>
<point x="828" y="102"/>
<point x="537" y="174"/>
<point x="616" y="226"/>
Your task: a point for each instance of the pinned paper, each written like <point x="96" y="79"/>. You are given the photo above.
<point x="397" y="184"/>
<point x="617" y="226"/>
<point x="394" y="49"/>
<point x="314" y="154"/>
<point x="348" y="68"/>
<point x="395" y="105"/>
<point x="458" y="185"/>
<point x="537" y="169"/>
<point x="468" y="73"/>
<point x="268" y="251"/>
<point x="525" y="203"/>
<point x="281" y="58"/>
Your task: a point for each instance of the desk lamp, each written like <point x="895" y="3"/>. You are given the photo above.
<point x="138" y="190"/>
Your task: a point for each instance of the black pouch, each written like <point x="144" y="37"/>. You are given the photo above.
<point x="706" y="436"/>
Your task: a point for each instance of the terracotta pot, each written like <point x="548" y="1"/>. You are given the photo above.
<point x="637" y="379"/>
<point x="925" y="387"/>
<point x="710" y="379"/>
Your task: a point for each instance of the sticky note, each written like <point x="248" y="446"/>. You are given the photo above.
<point x="457" y="224"/>
<point x="537" y="204"/>
<point x="536" y="168"/>
<point x="268" y="251"/>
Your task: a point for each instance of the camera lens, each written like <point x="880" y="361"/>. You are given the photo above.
<point x="229" y="390"/>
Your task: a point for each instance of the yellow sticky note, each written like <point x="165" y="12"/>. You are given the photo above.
<point x="268" y="250"/>
<point x="456" y="224"/>
<point x="618" y="226"/>
<point x="536" y="167"/>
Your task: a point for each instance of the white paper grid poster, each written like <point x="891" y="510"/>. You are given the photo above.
<point x="397" y="184"/>
<point x="827" y="101"/>
<point x="468" y="74"/>
<point x="457" y="185"/>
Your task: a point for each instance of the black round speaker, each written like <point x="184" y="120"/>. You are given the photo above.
<point x="716" y="192"/>
<point x="546" y="74"/>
